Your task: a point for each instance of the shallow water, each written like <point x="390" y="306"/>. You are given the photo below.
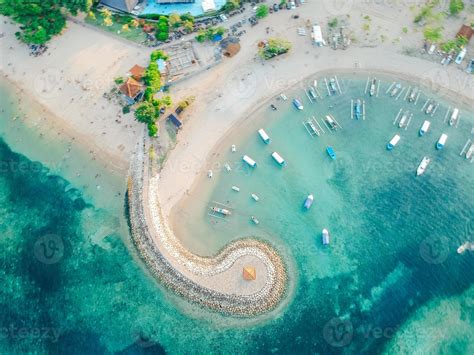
<point x="391" y="277"/>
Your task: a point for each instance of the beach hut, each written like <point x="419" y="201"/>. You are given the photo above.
<point x="132" y="90"/>
<point x="249" y="273"/>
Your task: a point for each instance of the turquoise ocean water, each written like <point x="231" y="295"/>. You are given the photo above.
<point x="390" y="281"/>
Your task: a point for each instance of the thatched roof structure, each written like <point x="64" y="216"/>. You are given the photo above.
<point x="131" y="88"/>
<point x="230" y="46"/>
<point x="249" y="273"/>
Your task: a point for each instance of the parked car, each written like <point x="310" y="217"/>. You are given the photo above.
<point x="275" y="7"/>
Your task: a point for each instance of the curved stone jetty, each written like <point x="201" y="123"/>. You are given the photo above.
<point x="214" y="282"/>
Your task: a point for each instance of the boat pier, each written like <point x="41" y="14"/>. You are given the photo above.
<point x="399" y="117"/>
<point x="313" y="127"/>
<point x="372" y="87"/>
<point x="362" y="106"/>
<point x="426" y="106"/>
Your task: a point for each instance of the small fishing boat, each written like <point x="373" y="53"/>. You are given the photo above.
<point x="395" y="89"/>
<point x="424" y="128"/>
<point x="454" y="117"/>
<point x="470" y="151"/>
<point x="277" y="157"/>
<point x="315" y="84"/>
<point x="250" y="162"/>
<point x="325" y="236"/>
<point x="233" y="148"/>
<point x="264" y="136"/>
<point x="357" y="109"/>
<point x="283" y="97"/>
<point x="236" y="188"/>
<point x="393" y="142"/>
<point x="297" y="103"/>
<point x="332" y="86"/>
<point x="255" y="197"/>
<point x="331" y="152"/>
<point x="413" y="95"/>
<point x="465" y="246"/>
<point x="312" y="93"/>
<point x="372" y="87"/>
<point x="312" y="128"/>
<point x="441" y="141"/>
<point x="423" y="165"/>
<point x="254" y="219"/>
<point x="430" y="107"/>
<point x="209" y="174"/>
<point x="273" y="107"/>
<point x="227" y="167"/>
<point x="403" y="119"/>
<point x="308" y="202"/>
<point x="221" y="211"/>
<point x="331" y="122"/>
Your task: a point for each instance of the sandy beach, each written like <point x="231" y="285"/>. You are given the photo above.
<point x="80" y="66"/>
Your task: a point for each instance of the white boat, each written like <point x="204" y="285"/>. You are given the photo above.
<point x="297" y="103"/>
<point x="264" y="135"/>
<point x="465" y="246"/>
<point x="283" y="97"/>
<point x="403" y="120"/>
<point x="254" y="219"/>
<point x="441" y="141"/>
<point x="308" y="202"/>
<point x="255" y="197"/>
<point x="325" y="236"/>
<point x="413" y="95"/>
<point x="233" y="148"/>
<point x="250" y="162"/>
<point x="424" y="128"/>
<point x="312" y="93"/>
<point x="423" y="165"/>
<point x="209" y="174"/>
<point x="372" y="87"/>
<point x="430" y="107"/>
<point x="393" y="142"/>
<point x="454" y="117"/>
<point x="221" y="211"/>
<point x="395" y="89"/>
<point x="236" y="188"/>
<point x="330" y="121"/>
<point x="315" y="84"/>
<point x="227" y="167"/>
<point x="470" y="151"/>
<point x="277" y="157"/>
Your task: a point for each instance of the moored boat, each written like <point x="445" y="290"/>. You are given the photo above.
<point x="227" y="167"/>
<point x="413" y="95"/>
<point x="283" y="97"/>
<point x="308" y="202"/>
<point x="393" y="142"/>
<point x="424" y="128"/>
<point x="372" y="87"/>
<point x="430" y="107"/>
<point x="297" y="103"/>
<point x="454" y="117"/>
<point x="423" y="165"/>
<point x="264" y="135"/>
<point x="222" y="211"/>
<point x="250" y="162"/>
<point x="312" y="93"/>
<point x="332" y="86"/>
<point x="233" y="148"/>
<point x="403" y="119"/>
<point x="209" y="174"/>
<point x="358" y="109"/>
<point x="277" y="157"/>
<point x="254" y="219"/>
<point x="441" y="141"/>
<point x="331" y="122"/>
<point x="331" y="152"/>
<point x="236" y="188"/>
<point x="325" y="236"/>
<point x="470" y="151"/>
<point x="255" y="197"/>
<point x="465" y="246"/>
<point x="274" y="108"/>
<point x="395" y="89"/>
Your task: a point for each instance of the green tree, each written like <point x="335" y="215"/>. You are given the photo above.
<point x="153" y="77"/>
<point x="188" y="26"/>
<point x="152" y="129"/>
<point x="433" y="34"/>
<point x="262" y="11"/>
<point x="187" y="17"/>
<point x="41" y="20"/>
<point x="175" y="20"/>
<point x="158" y="54"/>
<point x="146" y="113"/>
<point x="456" y="6"/>
<point x="275" y="47"/>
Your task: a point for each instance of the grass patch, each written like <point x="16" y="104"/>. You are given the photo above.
<point x="134" y="34"/>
